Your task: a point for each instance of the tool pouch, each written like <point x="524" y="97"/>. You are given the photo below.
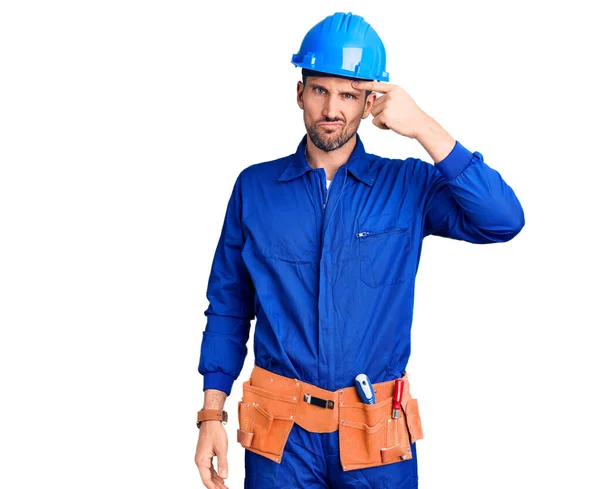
<point x="265" y="420"/>
<point x="369" y="436"/>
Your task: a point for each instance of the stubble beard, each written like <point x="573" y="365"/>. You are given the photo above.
<point x="330" y="141"/>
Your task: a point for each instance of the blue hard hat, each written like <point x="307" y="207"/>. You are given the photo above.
<point x="343" y="44"/>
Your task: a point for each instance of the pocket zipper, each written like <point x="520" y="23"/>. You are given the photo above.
<point x="362" y="234"/>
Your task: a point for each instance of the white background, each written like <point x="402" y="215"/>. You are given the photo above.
<point x="123" y="125"/>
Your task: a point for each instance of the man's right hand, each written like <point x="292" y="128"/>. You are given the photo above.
<point x="212" y="441"/>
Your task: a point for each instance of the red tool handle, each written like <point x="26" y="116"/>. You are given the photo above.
<point x="398" y="388"/>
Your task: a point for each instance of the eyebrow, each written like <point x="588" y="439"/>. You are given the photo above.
<point x="315" y="85"/>
<point x="354" y="91"/>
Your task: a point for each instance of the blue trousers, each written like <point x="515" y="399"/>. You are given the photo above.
<point x="312" y="461"/>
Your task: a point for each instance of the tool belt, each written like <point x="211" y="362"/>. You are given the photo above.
<point x="368" y="434"/>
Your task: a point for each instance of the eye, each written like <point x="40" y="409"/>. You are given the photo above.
<point x="319" y="90"/>
<point x="349" y="96"/>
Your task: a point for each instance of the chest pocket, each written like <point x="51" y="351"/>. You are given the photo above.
<point x="284" y="234"/>
<point x="384" y="244"/>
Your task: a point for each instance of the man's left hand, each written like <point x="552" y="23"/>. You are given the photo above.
<point x="394" y="109"/>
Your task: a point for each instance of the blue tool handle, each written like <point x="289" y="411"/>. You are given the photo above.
<point x="365" y="389"/>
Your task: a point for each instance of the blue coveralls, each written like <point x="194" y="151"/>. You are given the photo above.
<point x="329" y="274"/>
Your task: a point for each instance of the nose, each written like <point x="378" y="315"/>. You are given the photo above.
<point x="330" y="107"/>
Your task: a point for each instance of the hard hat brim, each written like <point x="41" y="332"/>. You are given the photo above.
<point x="309" y="72"/>
<point x="340" y="73"/>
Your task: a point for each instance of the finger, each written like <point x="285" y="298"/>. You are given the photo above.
<point x="205" y="475"/>
<point x="215" y="475"/>
<point x="218" y="481"/>
<point x="379" y="123"/>
<point x="205" y="466"/>
<point x="379" y="101"/>
<point x="221" y="452"/>
<point x="376" y="110"/>
<point x="372" y="85"/>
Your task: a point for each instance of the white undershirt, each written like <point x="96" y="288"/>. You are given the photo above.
<point x="327" y="182"/>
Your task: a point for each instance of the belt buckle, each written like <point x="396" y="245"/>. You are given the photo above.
<point x="317" y="401"/>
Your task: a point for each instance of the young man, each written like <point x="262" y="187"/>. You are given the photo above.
<point x="322" y="247"/>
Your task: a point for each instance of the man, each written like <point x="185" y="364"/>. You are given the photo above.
<point x="322" y="247"/>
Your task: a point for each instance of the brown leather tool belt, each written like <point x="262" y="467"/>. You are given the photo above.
<point x="368" y="434"/>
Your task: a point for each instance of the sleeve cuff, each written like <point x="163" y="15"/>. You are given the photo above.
<point x="456" y="161"/>
<point x="218" y="380"/>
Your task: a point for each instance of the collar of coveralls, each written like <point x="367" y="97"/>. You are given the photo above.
<point x="358" y="164"/>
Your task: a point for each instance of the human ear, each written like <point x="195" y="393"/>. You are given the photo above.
<point x="299" y="93"/>
<point x="369" y="104"/>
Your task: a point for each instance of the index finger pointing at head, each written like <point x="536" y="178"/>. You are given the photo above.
<point x="372" y="85"/>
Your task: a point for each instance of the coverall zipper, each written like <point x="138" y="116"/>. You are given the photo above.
<point x="328" y="188"/>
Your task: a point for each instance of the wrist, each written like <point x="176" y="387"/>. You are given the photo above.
<point x="426" y="127"/>
<point x="435" y="139"/>
<point x="211" y="415"/>
<point x="214" y="399"/>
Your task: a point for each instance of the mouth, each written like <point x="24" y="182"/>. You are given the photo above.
<point x="330" y="125"/>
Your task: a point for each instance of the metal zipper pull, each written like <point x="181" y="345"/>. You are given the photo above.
<point x="362" y="233"/>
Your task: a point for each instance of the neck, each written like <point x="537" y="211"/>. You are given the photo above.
<point x="330" y="161"/>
